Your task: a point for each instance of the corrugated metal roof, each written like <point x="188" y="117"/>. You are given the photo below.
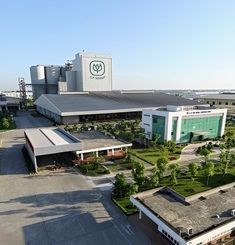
<point x="114" y="100"/>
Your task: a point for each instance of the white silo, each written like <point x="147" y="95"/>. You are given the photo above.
<point x="37" y="74"/>
<point x="38" y="80"/>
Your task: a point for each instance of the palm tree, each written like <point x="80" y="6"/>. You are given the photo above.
<point x="193" y="169"/>
<point x="209" y="171"/>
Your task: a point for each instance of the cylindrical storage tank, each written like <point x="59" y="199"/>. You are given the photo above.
<point x="52" y="74"/>
<point x="37" y="74"/>
<point x="71" y="81"/>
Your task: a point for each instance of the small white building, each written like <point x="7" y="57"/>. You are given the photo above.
<point x="184" y="123"/>
<point x="204" y="218"/>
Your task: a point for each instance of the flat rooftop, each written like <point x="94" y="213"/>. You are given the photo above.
<point x="47" y="137"/>
<point x="96" y="140"/>
<point x="200" y="215"/>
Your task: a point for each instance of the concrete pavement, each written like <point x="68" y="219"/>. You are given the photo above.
<point x="59" y="207"/>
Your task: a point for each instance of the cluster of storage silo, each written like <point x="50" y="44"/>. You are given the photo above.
<point x="45" y="78"/>
<point x="87" y="72"/>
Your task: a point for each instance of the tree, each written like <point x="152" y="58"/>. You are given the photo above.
<point x="193" y="170"/>
<point x="174" y="173"/>
<point x="138" y="173"/>
<point x="153" y="179"/>
<point x="120" y="185"/>
<point x="222" y="156"/>
<point x="5" y="123"/>
<point x="209" y="170"/>
<point x="161" y="165"/>
<point x="232" y="159"/>
<point x="122" y="188"/>
<point x="224" y="167"/>
<point x="171" y="146"/>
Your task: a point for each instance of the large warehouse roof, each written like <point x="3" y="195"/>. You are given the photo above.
<point x="106" y="101"/>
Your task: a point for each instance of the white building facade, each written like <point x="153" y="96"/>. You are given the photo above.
<point x="184" y="123"/>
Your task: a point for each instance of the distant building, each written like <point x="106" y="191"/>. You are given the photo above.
<point x="184" y="123"/>
<point x="223" y="100"/>
<point x="204" y="218"/>
<point x="87" y="72"/>
<point x="16" y="94"/>
<point x="10" y="104"/>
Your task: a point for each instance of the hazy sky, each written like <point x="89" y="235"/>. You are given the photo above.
<point x="159" y="44"/>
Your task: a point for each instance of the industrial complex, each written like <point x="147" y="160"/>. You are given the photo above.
<point x="81" y="91"/>
<point x="87" y="72"/>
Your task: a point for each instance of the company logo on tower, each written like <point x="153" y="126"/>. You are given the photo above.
<point x="97" y="68"/>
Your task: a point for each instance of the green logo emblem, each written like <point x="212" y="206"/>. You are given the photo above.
<point x="97" y="68"/>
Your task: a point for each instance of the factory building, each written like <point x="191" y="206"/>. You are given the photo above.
<point x="223" y="100"/>
<point x="87" y="72"/>
<point x="9" y="104"/>
<point x="184" y="123"/>
<point x="100" y="106"/>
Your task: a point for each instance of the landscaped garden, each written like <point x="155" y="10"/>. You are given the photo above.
<point x="152" y="154"/>
<point x="197" y="178"/>
<point x="93" y="169"/>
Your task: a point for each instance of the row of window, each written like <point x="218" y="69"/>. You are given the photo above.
<point x="170" y="237"/>
<point x="220" y="103"/>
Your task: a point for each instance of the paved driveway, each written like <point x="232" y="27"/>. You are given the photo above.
<point x="60" y="207"/>
<point x="24" y="119"/>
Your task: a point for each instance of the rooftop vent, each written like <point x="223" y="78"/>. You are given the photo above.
<point x="233" y="212"/>
<point x="190" y="231"/>
<point x="217" y="216"/>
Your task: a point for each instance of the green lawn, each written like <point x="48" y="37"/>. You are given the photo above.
<point x="125" y="205"/>
<point x="152" y="154"/>
<point x="88" y="169"/>
<point x="186" y="187"/>
<point x="118" y="165"/>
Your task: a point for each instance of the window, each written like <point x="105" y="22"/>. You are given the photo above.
<point x="146" y="115"/>
<point x="146" y="124"/>
<point x="172" y="133"/>
<point x="226" y="103"/>
<point x="213" y="102"/>
<point x="219" y="103"/>
<point x="233" y="103"/>
<point x="182" y="132"/>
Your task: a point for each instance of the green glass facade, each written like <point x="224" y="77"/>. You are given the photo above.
<point x="193" y="129"/>
<point x="159" y="127"/>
